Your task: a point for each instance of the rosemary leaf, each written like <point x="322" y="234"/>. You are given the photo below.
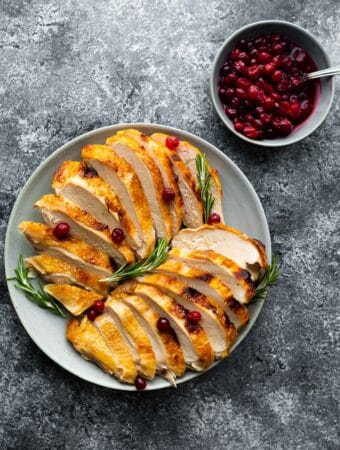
<point x="155" y="259"/>
<point x="204" y="181"/>
<point x="37" y="296"/>
<point x="269" y="278"/>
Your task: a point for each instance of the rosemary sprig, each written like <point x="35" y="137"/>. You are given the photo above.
<point x="139" y="268"/>
<point x="37" y="296"/>
<point x="204" y="181"/>
<point x="269" y="278"/>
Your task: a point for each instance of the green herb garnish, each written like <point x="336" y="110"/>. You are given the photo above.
<point x="139" y="268"/>
<point x="204" y="181"/>
<point x="37" y="296"/>
<point x="269" y="278"/>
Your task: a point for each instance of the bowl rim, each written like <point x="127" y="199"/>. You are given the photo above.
<point x="283" y="141"/>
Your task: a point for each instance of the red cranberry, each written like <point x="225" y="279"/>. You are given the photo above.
<point x="285" y="107"/>
<point x="163" y="325"/>
<point x="140" y="383"/>
<point x="243" y="83"/>
<point x="240" y="93"/>
<point x="268" y="103"/>
<point x="250" y="132"/>
<point x="231" y="112"/>
<point x="243" y="56"/>
<point x="284" y="127"/>
<point x="277" y="75"/>
<point x="61" y="230"/>
<point x="98" y="306"/>
<point x="241" y="68"/>
<point x="91" y="314"/>
<point x="229" y="93"/>
<point x="239" y="126"/>
<point x="194" y="317"/>
<point x="235" y="102"/>
<point x="230" y="80"/>
<point x="258" y="124"/>
<point x="254" y="72"/>
<point x="117" y="235"/>
<point x="168" y="194"/>
<point x="266" y="118"/>
<point x="269" y="68"/>
<point x="254" y="92"/>
<point x="263" y="57"/>
<point x="214" y="218"/>
<point x="172" y="142"/>
<point x="278" y="48"/>
<point x="234" y="54"/>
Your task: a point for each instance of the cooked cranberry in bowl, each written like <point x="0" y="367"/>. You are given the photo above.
<point x="258" y="84"/>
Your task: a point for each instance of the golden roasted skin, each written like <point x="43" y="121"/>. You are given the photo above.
<point x="156" y="177"/>
<point x="164" y="163"/>
<point x="187" y="153"/>
<point x="104" y="155"/>
<point x="198" y="337"/>
<point x="147" y="361"/>
<point x="87" y="257"/>
<point x="58" y="271"/>
<point x="76" y="174"/>
<point x="118" y="347"/>
<point x="242" y="276"/>
<point x="236" y="312"/>
<point x="53" y="203"/>
<point x="190" y="181"/>
<point x="87" y="340"/>
<point x="172" y="286"/>
<point x="75" y="299"/>
<point x="173" y="351"/>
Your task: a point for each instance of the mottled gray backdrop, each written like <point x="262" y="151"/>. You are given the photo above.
<point x="67" y="67"/>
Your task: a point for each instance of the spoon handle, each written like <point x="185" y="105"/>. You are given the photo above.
<point x="330" y="71"/>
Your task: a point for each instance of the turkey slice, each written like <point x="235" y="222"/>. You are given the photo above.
<point x="86" y="189"/>
<point x="124" y="182"/>
<point x="70" y="249"/>
<point x="55" y="209"/>
<point x="220" y="331"/>
<point x="88" y="341"/>
<point x="248" y="253"/>
<point x="163" y="162"/>
<point x="57" y="271"/>
<point x="75" y="299"/>
<point x="197" y="350"/>
<point x="150" y="178"/>
<point x="209" y="285"/>
<point x="231" y="274"/>
<point x="135" y="334"/>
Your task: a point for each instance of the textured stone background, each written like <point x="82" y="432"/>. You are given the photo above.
<point x="68" y="69"/>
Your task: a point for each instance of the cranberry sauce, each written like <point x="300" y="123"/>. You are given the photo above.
<point x="262" y="86"/>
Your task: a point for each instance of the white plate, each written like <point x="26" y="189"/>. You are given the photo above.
<point x="242" y="209"/>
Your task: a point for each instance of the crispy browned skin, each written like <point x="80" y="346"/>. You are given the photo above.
<point x="50" y="268"/>
<point x="104" y="155"/>
<point x="75" y="299"/>
<point x="42" y="237"/>
<point x="88" y="341"/>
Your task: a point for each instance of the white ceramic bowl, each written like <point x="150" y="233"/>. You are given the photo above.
<point x="242" y="209"/>
<point x="308" y="42"/>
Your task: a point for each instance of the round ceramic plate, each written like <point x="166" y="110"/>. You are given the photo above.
<point x="242" y="209"/>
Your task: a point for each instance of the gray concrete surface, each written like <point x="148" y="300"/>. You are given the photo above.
<point x="68" y="67"/>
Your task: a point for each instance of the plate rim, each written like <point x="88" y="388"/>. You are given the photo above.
<point x="114" y="128"/>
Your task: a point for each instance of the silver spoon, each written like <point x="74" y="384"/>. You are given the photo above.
<point x="330" y="71"/>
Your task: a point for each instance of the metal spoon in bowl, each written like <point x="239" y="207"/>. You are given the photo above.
<point x="330" y="71"/>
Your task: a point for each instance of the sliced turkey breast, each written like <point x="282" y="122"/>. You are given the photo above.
<point x="72" y="250"/>
<point x="188" y="153"/>
<point x="150" y="178"/>
<point x="209" y="285"/>
<point x="88" y="341"/>
<point x="169" y="353"/>
<point x="220" y="331"/>
<point x="57" y="271"/>
<point x="75" y="299"/>
<point x="135" y="334"/>
<point x="121" y="351"/>
<point x="197" y="350"/>
<point x="123" y="180"/>
<point x="163" y="162"/>
<point x="55" y="209"/>
<point x="248" y="253"/>
<point x="231" y="274"/>
<point x="187" y="183"/>
<point x="84" y="188"/>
